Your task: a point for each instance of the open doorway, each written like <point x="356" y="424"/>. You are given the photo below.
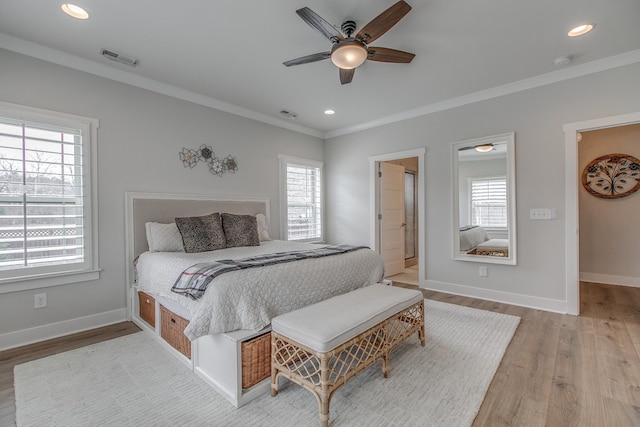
<point x="608" y="203"/>
<point x="397" y="225"/>
<point x="572" y="184"/>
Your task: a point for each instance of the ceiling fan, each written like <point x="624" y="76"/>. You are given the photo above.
<point x="349" y="52"/>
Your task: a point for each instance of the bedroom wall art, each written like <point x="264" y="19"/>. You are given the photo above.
<point x="612" y="176"/>
<point x="217" y="166"/>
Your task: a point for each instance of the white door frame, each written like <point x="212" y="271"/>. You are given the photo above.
<point x="374" y="232"/>
<point x="571" y="184"/>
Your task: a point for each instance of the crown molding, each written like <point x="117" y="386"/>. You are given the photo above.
<point x="72" y="61"/>
<point x="604" y="64"/>
<point x="61" y="58"/>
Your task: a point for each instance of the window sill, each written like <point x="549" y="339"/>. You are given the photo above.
<point x="45" y="281"/>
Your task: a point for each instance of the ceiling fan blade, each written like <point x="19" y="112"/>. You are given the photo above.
<point x="383" y="22"/>
<point x="384" y="54"/>
<point x="346" y="75"/>
<point x="309" y="58"/>
<point x="317" y="22"/>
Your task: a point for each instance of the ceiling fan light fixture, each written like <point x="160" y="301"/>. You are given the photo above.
<point x="349" y="54"/>
<point x="485" y="148"/>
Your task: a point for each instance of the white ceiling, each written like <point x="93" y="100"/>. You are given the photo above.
<point x="229" y="53"/>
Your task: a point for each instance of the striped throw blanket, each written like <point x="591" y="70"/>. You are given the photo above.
<point x="194" y="280"/>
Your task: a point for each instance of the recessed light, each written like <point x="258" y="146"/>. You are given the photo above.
<point x="74" y="11"/>
<point x="580" y="30"/>
<point x="329" y="112"/>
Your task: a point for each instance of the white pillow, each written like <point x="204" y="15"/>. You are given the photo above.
<point x="164" y="237"/>
<point x="263" y="229"/>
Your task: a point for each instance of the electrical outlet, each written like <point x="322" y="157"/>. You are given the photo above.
<point x="482" y="271"/>
<point x="39" y="300"/>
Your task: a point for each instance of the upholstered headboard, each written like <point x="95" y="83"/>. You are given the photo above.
<point x="164" y="208"/>
<point x="470" y="237"/>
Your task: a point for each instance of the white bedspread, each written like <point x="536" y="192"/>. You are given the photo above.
<point x="249" y="299"/>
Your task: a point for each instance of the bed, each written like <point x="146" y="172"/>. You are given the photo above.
<point x="471" y="236"/>
<point x="237" y="306"/>
<point x="475" y="240"/>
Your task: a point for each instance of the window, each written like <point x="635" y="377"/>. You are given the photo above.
<point x="489" y="202"/>
<point x="47" y="224"/>
<point x="301" y="196"/>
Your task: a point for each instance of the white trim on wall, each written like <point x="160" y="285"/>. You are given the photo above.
<point x="55" y="56"/>
<point x="597" y="66"/>
<point x="35" y="50"/>
<point x="59" y="329"/>
<point x="610" y="279"/>
<point x="557" y="306"/>
<point x="374" y="236"/>
<point x="571" y="182"/>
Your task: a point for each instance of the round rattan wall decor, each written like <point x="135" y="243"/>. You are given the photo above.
<point x="612" y="176"/>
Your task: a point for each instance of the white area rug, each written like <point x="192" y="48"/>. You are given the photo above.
<point x="133" y="381"/>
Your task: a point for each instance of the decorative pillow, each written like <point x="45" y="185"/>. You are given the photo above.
<point x="202" y="233"/>
<point x="163" y="237"/>
<point x="263" y="229"/>
<point x="240" y="230"/>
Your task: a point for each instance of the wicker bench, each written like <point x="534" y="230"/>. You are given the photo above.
<point x="324" y="345"/>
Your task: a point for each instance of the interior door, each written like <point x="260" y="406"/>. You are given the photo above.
<point x="391" y="217"/>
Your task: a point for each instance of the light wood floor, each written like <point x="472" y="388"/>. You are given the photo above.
<point x="559" y="370"/>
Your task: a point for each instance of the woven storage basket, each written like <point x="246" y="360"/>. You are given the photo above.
<point x="147" y="308"/>
<point x="172" y="331"/>
<point x="256" y="360"/>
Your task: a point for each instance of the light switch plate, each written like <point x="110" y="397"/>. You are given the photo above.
<point x="540" y="214"/>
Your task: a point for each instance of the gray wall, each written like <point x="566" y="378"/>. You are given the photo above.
<point x="140" y="136"/>
<point x="537" y="117"/>
<point x="141" y="133"/>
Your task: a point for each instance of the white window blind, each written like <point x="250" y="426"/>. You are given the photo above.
<point x="489" y="202"/>
<point x="303" y="194"/>
<point x="45" y="198"/>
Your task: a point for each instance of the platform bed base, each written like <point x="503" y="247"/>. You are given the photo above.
<point x="217" y="359"/>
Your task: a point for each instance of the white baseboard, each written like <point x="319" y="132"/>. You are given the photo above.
<point x="546" y="304"/>
<point x="609" y="279"/>
<point x="59" y="329"/>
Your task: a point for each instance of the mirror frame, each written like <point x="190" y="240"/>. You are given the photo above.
<point x="511" y="199"/>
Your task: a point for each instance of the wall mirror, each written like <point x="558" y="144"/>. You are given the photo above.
<point x="484" y="216"/>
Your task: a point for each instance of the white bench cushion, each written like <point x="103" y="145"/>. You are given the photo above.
<point x="494" y="244"/>
<point x="325" y="325"/>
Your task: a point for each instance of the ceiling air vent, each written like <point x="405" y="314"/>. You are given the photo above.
<point x="118" y="57"/>
<point x="289" y="114"/>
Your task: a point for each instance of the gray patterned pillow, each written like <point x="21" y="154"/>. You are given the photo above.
<point x="202" y="233"/>
<point x="240" y="230"/>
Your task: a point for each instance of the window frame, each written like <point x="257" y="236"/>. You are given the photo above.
<point x="14" y="280"/>
<point x="285" y="161"/>
<point x="506" y="204"/>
